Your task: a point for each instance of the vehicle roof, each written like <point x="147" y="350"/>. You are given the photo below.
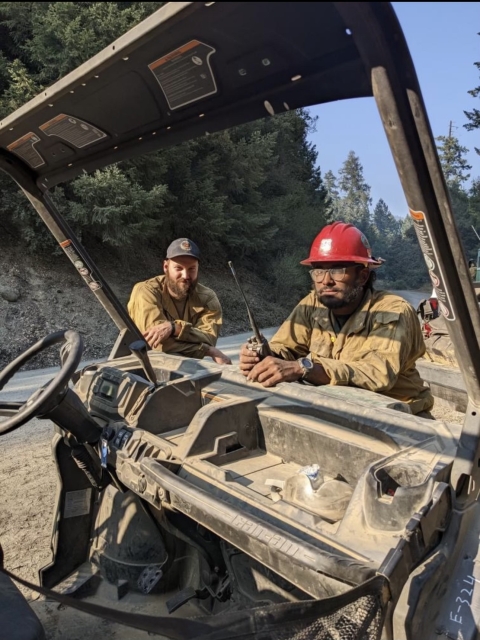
<point x="190" y="69"/>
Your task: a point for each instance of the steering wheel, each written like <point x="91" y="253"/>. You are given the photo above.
<point x="42" y="399"/>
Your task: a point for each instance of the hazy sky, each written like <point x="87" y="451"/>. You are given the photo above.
<point x="443" y="41"/>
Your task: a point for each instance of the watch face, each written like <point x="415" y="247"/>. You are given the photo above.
<point x="308" y="364"/>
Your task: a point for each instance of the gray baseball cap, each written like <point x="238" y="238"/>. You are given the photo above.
<point x="183" y="247"/>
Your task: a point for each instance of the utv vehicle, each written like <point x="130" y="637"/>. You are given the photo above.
<point x="193" y="504"/>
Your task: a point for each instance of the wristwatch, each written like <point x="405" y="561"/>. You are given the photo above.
<point x="307" y="366"/>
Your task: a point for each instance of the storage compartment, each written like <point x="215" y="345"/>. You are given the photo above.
<point x="296" y="461"/>
<point x="395" y="489"/>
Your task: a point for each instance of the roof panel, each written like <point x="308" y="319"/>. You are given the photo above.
<point x="190" y="68"/>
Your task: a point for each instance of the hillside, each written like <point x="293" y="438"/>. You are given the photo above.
<point x="42" y="294"/>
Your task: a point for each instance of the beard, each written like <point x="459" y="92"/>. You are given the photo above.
<point x="180" y="288"/>
<point x="354" y="293"/>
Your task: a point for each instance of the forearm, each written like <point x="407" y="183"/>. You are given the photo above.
<point x="317" y="376"/>
<point x="186" y="349"/>
<point x="197" y="335"/>
<point x="375" y="373"/>
<point x="209" y="350"/>
<point x="280" y="350"/>
<point x="271" y="370"/>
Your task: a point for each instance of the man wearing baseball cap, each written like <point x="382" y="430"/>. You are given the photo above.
<point x="175" y="313"/>
<point x="344" y="332"/>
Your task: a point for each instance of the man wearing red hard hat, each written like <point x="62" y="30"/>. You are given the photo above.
<point x="344" y="332"/>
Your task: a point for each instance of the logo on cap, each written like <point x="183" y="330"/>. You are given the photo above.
<point x="326" y="245"/>
<point x="185" y="245"/>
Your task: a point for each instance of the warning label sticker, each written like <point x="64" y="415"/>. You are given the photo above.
<point x="24" y="149"/>
<point x="87" y="274"/>
<point x="424" y="236"/>
<point x="185" y="75"/>
<point x="73" y="130"/>
<point x="77" y="503"/>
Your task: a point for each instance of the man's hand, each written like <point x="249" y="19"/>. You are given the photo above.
<point x="217" y="355"/>
<point x="157" y="335"/>
<point x="248" y="359"/>
<point x="270" y="371"/>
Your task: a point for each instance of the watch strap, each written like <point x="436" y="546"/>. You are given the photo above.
<point x="305" y="370"/>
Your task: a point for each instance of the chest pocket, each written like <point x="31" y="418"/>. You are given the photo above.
<point x="194" y="314"/>
<point x="321" y="344"/>
<point x="384" y="331"/>
<point x="384" y="317"/>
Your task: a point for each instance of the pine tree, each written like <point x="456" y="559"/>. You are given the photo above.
<point x="404" y="267"/>
<point x="455" y="167"/>
<point x="386" y="239"/>
<point x="354" y="206"/>
<point x="333" y="203"/>
<point x="52" y="38"/>
<point x="384" y="221"/>
<point x="254" y="192"/>
<point x="453" y="161"/>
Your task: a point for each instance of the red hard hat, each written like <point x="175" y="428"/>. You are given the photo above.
<point x="341" y="242"/>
